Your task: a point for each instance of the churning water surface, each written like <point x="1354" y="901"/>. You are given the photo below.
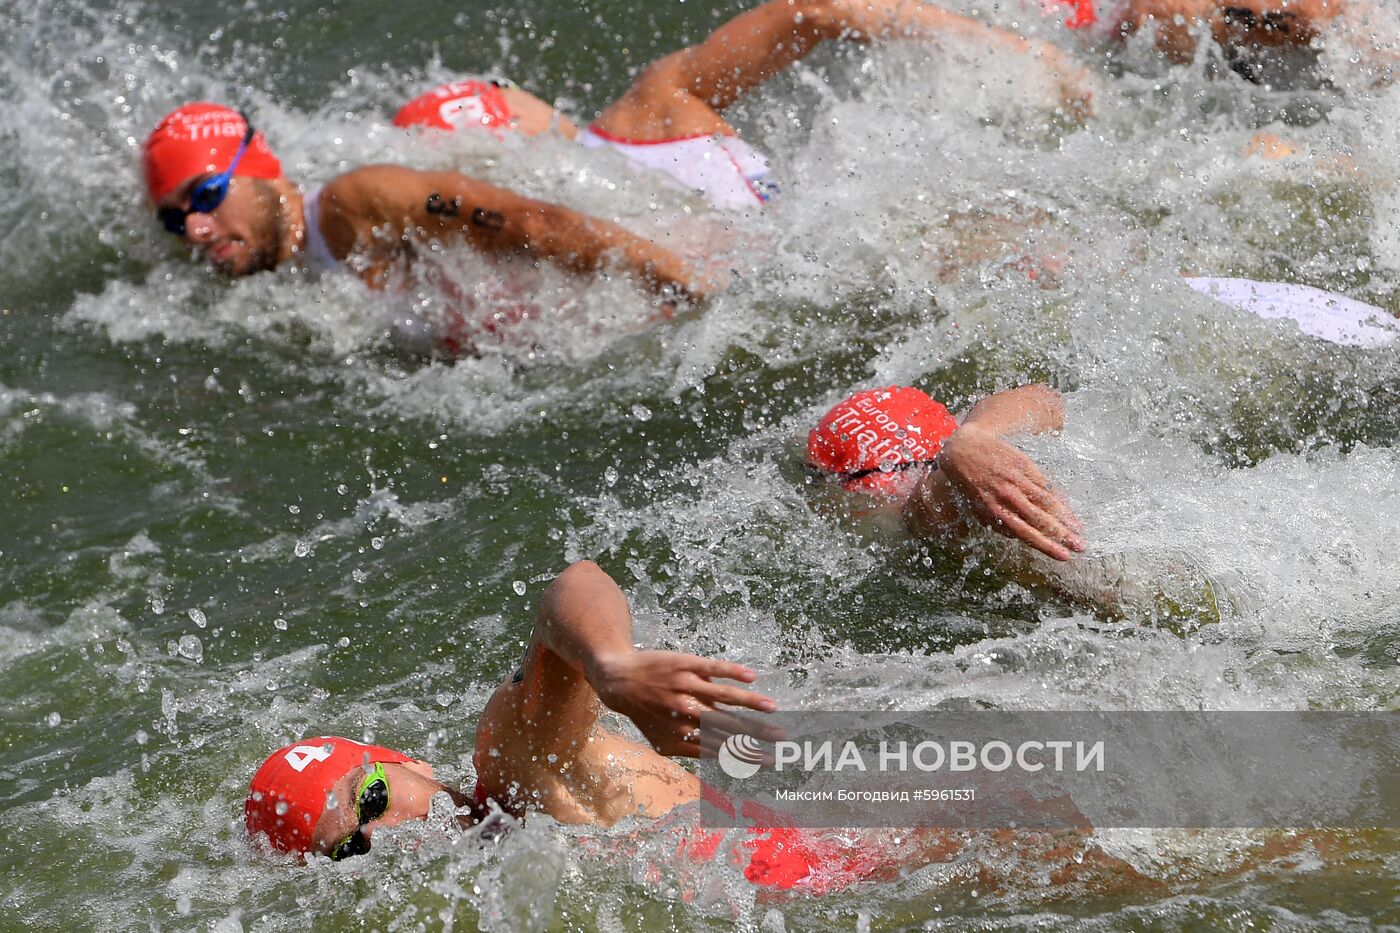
<point x="235" y="513"/>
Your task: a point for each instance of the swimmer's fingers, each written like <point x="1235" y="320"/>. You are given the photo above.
<point x="695" y="711"/>
<point x="1063" y="523"/>
<point x="1009" y="494"/>
<point x="731" y="696"/>
<point x="1012" y="525"/>
<point x="712" y="667"/>
<point x="1059" y="506"/>
<point x="1030" y="474"/>
<point x="721" y="724"/>
<point x="685" y="738"/>
<point x="1036" y="487"/>
<point x="1044" y="521"/>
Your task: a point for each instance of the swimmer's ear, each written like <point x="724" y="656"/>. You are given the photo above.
<point x="419" y="767"/>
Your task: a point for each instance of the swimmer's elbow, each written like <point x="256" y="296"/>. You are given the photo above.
<point x="579" y="579"/>
<point x="580" y="569"/>
<point x="578" y="572"/>
<point x="1049" y="407"/>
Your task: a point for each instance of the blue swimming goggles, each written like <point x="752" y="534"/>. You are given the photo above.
<point x="208" y="194"/>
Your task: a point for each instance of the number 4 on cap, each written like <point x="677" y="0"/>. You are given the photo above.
<point x="303" y="755"/>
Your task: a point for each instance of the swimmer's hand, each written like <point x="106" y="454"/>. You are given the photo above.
<point x="1076" y="86"/>
<point x="1008" y="493"/>
<point x="696" y="287"/>
<point x="665" y="693"/>
<point x="1269" y="146"/>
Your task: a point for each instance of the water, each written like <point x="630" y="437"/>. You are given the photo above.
<point x="236" y="515"/>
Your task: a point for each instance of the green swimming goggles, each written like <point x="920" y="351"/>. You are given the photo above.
<point x="371" y="802"/>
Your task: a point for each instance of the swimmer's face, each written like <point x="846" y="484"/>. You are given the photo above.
<point x="894" y="486"/>
<point x="411" y="789"/>
<point x="1249" y="24"/>
<point x="240" y="236"/>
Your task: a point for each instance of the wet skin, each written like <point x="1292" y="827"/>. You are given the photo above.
<point x="411" y="790"/>
<point x="254" y="228"/>
<point x="1237" y="25"/>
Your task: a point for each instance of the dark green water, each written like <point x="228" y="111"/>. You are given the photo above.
<point x="235" y="515"/>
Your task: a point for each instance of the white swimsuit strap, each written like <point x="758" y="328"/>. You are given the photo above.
<point x="318" y="255"/>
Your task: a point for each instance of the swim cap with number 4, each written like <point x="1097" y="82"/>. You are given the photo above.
<point x="288" y="794"/>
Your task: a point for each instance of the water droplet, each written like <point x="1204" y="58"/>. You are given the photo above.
<point x="359" y="575"/>
<point x="142" y="737"/>
<point x="376" y="543"/>
<point x="191" y="647"/>
<point x="641" y="412"/>
<point x="519" y="587"/>
<point x="280" y="624"/>
<point x="302" y="549"/>
<point x="157" y="605"/>
<point x="344" y="642"/>
<point x="197" y="617"/>
<point x="444" y="699"/>
<point x="53" y="719"/>
<point x="610" y="476"/>
<point x="294" y="509"/>
<point x="342" y="489"/>
<point x="281" y="808"/>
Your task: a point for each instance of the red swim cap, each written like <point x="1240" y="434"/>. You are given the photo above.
<point x="288" y="794"/>
<point x="470" y="102"/>
<point x="890" y="426"/>
<point x="200" y="138"/>
<point x="1084" y="14"/>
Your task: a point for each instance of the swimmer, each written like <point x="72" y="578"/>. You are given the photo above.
<point x="216" y="184"/>
<point x="580" y="659"/>
<point x="903" y="452"/>
<point x="901" y="446"/>
<point x="1251" y="33"/>
<point x="541" y="749"/>
<point x="670" y="119"/>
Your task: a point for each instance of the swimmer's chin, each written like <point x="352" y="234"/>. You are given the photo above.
<point x="236" y="263"/>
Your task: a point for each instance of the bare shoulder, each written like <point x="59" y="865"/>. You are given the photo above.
<point x="367" y="184"/>
<point x="356" y="204"/>
<point x="350" y="206"/>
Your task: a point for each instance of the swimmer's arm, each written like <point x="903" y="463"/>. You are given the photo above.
<point x="582" y="653"/>
<point x="436" y="205"/>
<point x="756" y="45"/>
<point x="886" y="19"/>
<point x="1175" y="23"/>
<point x="1029" y="409"/>
<point x="1375" y="34"/>
<point x="1000" y="486"/>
